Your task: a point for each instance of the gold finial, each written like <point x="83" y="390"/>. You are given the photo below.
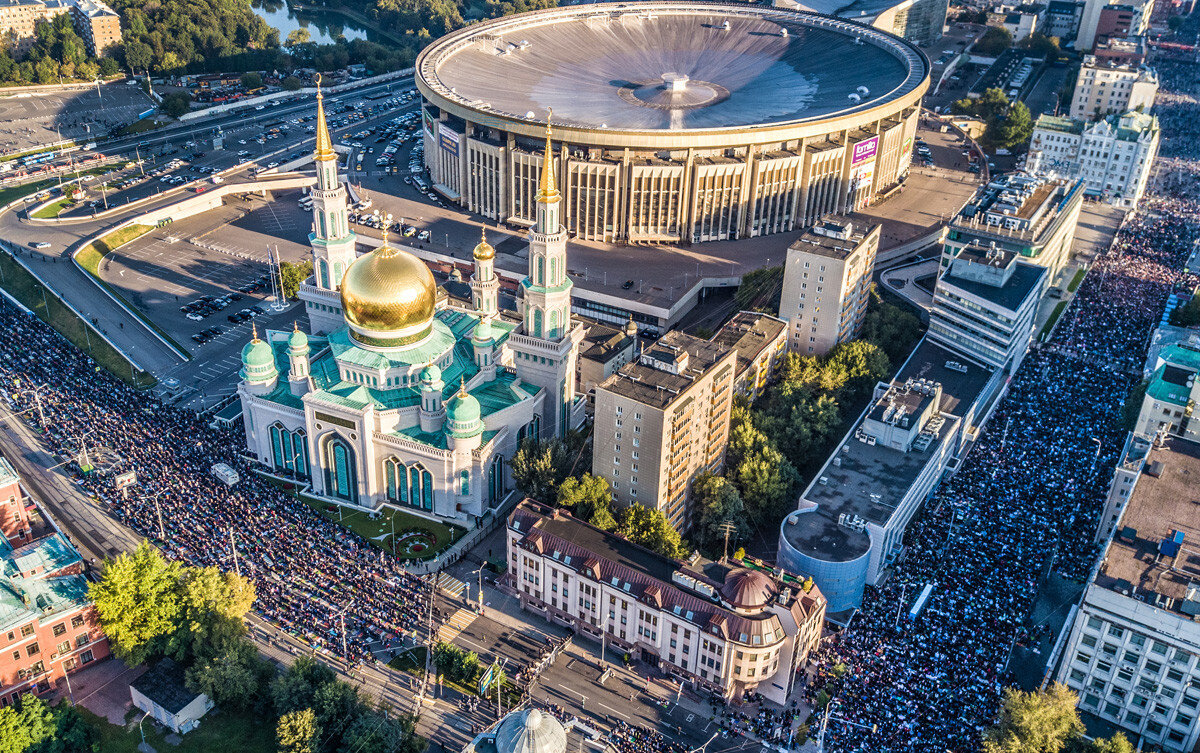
<point x="462" y="385"/>
<point x="295" y="325"/>
<point x="253" y="332"/>
<point x="387" y="227"/>
<point x="324" y="148"/>
<point x="548" y="187"/>
<point x="482" y="234"/>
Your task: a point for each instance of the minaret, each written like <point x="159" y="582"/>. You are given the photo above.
<point x="485" y="286"/>
<point x="298" y="369"/>
<point x="331" y="239"/>
<point x="548" y="343"/>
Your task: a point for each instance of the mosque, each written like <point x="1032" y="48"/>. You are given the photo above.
<point x="393" y="399"/>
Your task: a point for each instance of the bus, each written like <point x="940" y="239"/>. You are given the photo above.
<point x="919" y="605"/>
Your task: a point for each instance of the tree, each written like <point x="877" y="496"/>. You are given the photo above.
<point x="539" y="467"/>
<point x="292" y="274"/>
<point x="589" y="498"/>
<point x="1039" y="722"/>
<point x="1187" y="315"/>
<point x="236" y="679"/>
<point x="337" y="707"/>
<point x="891" y="327"/>
<point x="214" y="605"/>
<point x="251" y="80"/>
<point x="767" y="482"/>
<point x="1118" y="743"/>
<point x="137" y="600"/>
<point x="651" y="529"/>
<point x="26" y="725"/>
<point x="1042" y="46"/>
<point x="1013" y="129"/>
<point x="864" y="363"/>
<point x="717" y="502"/>
<point x="994" y="41"/>
<point x="295" y="689"/>
<point x="297" y="37"/>
<point x="292" y="84"/>
<point x="297" y="732"/>
<point x="176" y="104"/>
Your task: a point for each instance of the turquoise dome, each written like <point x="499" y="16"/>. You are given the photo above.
<point x="431" y="374"/>
<point x="483" y="331"/>
<point x="257" y="354"/>
<point x="463" y="408"/>
<point x="297" y="341"/>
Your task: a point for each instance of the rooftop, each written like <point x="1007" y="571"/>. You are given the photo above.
<point x="602" y="342"/>
<point x="870" y="480"/>
<point x="164" y="685"/>
<point x="749" y="333"/>
<point x="835" y="240"/>
<point x="1025" y="279"/>
<point x="654" y="385"/>
<point x="1142" y="558"/>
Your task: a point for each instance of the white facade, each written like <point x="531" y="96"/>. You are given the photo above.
<point x="1113" y="157"/>
<point x="1104" y="89"/>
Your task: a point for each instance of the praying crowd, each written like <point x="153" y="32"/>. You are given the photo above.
<point x="1026" y="501"/>
<point x="311" y="575"/>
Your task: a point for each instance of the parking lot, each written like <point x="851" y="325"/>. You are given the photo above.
<point x="30" y="120"/>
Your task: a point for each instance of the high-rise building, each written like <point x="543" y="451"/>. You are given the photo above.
<point x="760" y="341"/>
<point x="984" y="306"/>
<point x="827" y="284"/>
<point x="1111" y="157"/>
<point x="1105" y="87"/>
<point x="97" y="23"/>
<point x="332" y="240"/>
<point x="662" y="420"/>
<point x="1133" y="650"/>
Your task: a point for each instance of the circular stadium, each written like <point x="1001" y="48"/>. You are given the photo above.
<point x="672" y="122"/>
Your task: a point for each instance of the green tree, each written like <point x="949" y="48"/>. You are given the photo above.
<point x="768" y="484"/>
<point x="1013" y="129"/>
<point x="589" y="498"/>
<point x="891" y="327"/>
<point x="994" y="41"/>
<point x="137" y="600"/>
<point x="864" y="364"/>
<point x="1040" y="722"/>
<point x="651" y="529"/>
<point x="1042" y="46"/>
<point x="292" y="274"/>
<point x="292" y="84"/>
<point x="337" y="707"/>
<point x="235" y="679"/>
<point x="1118" y="743"/>
<point x="1187" y="315"/>
<point x="251" y="80"/>
<point x="717" y="502"/>
<point x="538" y="467"/>
<point x="176" y="104"/>
<point x="295" y="689"/>
<point x="297" y="732"/>
<point x="26" y="725"/>
<point x="214" y="605"/>
<point x="297" y="37"/>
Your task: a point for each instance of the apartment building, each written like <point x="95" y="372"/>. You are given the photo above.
<point x="984" y="306"/>
<point x="19" y="18"/>
<point x="728" y="628"/>
<point x="827" y="284"/>
<point x="662" y="420"/>
<point x="1172" y="392"/>
<point x="1105" y="87"/>
<point x="98" y="25"/>
<point x="1034" y="217"/>
<point x="760" y="341"/>
<point x="1133" y="650"/>
<point x="1112" y="157"/>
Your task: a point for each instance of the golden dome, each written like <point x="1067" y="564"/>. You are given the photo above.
<point x="484" y="250"/>
<point x="388" y="297"/>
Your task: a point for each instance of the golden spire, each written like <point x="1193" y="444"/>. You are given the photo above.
<point x="324" y="149"/>
<point x="484" y="250"/>
<point x="548" y="188"/>
<point x="253" y="332"/>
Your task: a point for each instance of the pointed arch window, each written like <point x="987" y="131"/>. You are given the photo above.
<point x="323" y="273"/>
<point x="541" y="271"/>
<point x="341" y="472"/>
<point x="537" y="322"/>
<point x="553" y="331"/>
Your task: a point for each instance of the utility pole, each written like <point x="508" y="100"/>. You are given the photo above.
<point x="428" y="644"/>
<point x="727" y="528"/>
<point x="233" y="546"/>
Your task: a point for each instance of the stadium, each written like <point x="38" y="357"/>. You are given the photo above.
<point x="672" y="122"/>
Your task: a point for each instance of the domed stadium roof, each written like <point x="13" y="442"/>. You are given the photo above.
<point x="530" y="731"/>
<point x="748" y="589"/>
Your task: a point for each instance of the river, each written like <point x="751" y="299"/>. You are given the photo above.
<point x="324" y="27"/>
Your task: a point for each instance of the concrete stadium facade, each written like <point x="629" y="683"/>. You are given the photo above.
<point x="672" y="122"/>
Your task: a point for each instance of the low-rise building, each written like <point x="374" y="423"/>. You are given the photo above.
<point x="827" y="284"/>
<point x="604" y="349"/>
<point x="1105" y="87"/>
<point x="662" y="420"/>
<point x="849" y="524"/>
<point x="1025" y="20"/>
<point x="162" y="693"/>
<point x="1133" y="650"/>
<point x="1062" y="19"/>
<point x="760" y="341"/>
<point x="1033" y="217"/>
<point x="984" y="306"/>
<point x="1130" y="51"/>
<point x="15" y="507"/>
<point x="726" y="628"/>
<point x="1172" y="391"/>
<point x="1112" y="157"/>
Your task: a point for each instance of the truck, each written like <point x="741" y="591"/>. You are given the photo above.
<point x="225" y="474"/>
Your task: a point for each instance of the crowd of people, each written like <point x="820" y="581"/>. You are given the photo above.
<point x="1026" y="501"/>
<point x="312" y="576"/>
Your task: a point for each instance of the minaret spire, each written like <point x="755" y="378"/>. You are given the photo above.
<point x="324" y="149"/>
<point x="548" y="186"/>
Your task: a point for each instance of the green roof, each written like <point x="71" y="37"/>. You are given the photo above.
<point x="46" y="555"/>
<point x="1165" y="390"/>
<point x="1181" y="356"/>
<point x="1062" y="125"/>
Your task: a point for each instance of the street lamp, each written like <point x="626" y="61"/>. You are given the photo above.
<point x="843" y="720"/>
<point x="161" y="535"/>
<point x="479" y="572"/>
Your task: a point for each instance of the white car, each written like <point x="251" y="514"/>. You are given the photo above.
<point x="40" y="245"/>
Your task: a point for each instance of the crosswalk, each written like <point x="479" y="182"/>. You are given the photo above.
<point x="450" y="585"/>
<point x="458" y="622"/>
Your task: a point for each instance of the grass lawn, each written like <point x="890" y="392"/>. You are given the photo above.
<point x="52" y="210"/>
<point x="23" y="286"/>
<point x="1058" y="309"/>
<point x="379" y="532"/>
<point x="90" y="256"/>
<point x="219" y="732"/>
<point x="141" y="126"/>
<point x="412" y="661"/>
<point x="1077" y="280"/>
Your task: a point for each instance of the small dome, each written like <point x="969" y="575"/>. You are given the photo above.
<point x="631" y="328"/>
<point x="748" y="589"/>
<point x="297" y="341"/>
<point x="463" y="408"/>
<point x="431" y="374"/>
<point x="389" y="294"/>
<point x="456" y="274"/>
<point x="257" y="354"/>
<point x="483" y="331"/>
<point x="530" y="731"/>
<point x="484" y="250"/>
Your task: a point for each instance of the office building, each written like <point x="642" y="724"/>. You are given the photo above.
<point x="1062" y="19"/>
<point x="1112" y="157"/>
<point x="98" y="25"/>
<point x="1024" y="20"/>
<point x="662" y="420"/>
<point x="760" y="341"/>
<point x="849" y="524"/>
<point x="1172" y="392"/>
<point x="1133" y="650"/>
<point x="1105" y="87"/>
<point x="1030" y="216"/>
<point x="984" y="306"/>
<point x="1131" y="52"/>
<point x="726" y="628"/>
<point x="827" y="284"/>
<point x="1094" y="10"/>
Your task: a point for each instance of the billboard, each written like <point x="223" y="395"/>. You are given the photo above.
<point x="129" y="478"/>
<point x="449" y="141"/>
<point x="865" y="150"/>
<point x="427" y="119"/>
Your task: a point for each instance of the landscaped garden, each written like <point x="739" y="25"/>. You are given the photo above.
<point x="408" y="536"/>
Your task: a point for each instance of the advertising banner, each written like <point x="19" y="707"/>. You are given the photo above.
<point x="449" y="141"/>
<point x="865" y="150"/>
